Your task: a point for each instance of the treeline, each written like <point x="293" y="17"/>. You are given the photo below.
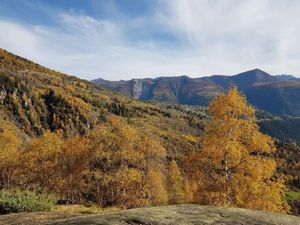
<point x="112" y="166"/>
<point x="118" y="165"/>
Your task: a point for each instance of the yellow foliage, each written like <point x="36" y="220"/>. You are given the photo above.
<point x="156" y="187"/>
<point x="73" y="167"/>
<point x="123" y="163"/>
<point x="116" y="165"/>
<point x="190" y="138"/>
<point x="190" y="188"/>
<point x="40" y="161"/>
<point x="175" y="184"/>
<point x="234" y="167"/>
<point x="9" y="153"/>
<point x="128" y="188"/>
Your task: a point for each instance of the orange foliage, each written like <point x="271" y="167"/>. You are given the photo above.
<point x="40" y="161"/>
<point x="74" y="168"/>
<point x="116" y="165"/>
<point x="122" y="165"/>
<point x="175" y="184"/>
<point x="233" y="166"/>
<point x="9" y="154"/>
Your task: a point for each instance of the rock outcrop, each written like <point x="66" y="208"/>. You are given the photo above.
<point x="184" y="215"/>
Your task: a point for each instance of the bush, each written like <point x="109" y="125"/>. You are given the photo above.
<point x="25" y="201"/>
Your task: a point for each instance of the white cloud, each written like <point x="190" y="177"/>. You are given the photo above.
<point x="18" y="39"/>
<point x="254" y="33"/>
<point x="211" y="37"/>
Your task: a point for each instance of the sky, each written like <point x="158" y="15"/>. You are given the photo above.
<point x="124" y="39"/>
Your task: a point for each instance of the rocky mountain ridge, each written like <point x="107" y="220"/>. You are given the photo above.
<point x="259" y="87"/>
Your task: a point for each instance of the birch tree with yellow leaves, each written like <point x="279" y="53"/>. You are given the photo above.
<point x="235" y="167"/>
<point x="9" y="154"/>
<point x="127" y="168"/>
<point x="176" y="184"/>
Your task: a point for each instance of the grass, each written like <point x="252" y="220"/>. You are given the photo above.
<point x="56" y="214"/>
<point x="293" y="195"/>
<point x="13" y="201"/>
<point x="81" y="209"/>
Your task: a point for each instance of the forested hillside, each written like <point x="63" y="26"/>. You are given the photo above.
<point x="59" y="122"/>
<point x="37" y="99"/>
<point x="63" y="135"/>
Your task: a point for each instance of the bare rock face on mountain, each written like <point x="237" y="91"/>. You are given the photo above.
<point x="276" y="94"/>
<point x="184" y="215"/>
<point x="182" y="90"/>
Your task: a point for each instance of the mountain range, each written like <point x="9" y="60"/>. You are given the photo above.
<point x="279" y="94"/>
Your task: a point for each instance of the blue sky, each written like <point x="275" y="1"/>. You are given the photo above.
<point x="124" y="39"/>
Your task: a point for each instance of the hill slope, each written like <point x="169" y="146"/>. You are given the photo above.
<point x="37" y="99"/>
<point x="275" y="94"/>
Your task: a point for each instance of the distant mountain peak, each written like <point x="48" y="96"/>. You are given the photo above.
<point x="285" y="77"/>
<point x="275" y="94"/>
<point x="255" y="72"/>
<point x="259" y="70"/>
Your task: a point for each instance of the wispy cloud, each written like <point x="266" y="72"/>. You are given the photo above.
<point x="258" y="33"/>
<point x="193" y="37"/>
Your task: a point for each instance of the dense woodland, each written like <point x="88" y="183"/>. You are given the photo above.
<point x="116" y="165"/>
<point x="63" y="135"/>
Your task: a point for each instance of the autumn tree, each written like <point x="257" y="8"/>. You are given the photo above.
<point x="192" y="181"/>
<point x="9" y="153"/>
<point x="175" y="184"/>
<point x="40" y="160"/>
<point x="155" y="187"/>
<point x="57" y="165"/>
<point x="235" y="169"/>
<point x="154" y="159"/>
<point x="74" y="169"/>
<point x="117" y="171"/>
<point x="190" y="188"/>
<point x="128" y="167"/>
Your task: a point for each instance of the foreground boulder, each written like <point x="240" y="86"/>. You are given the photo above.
<point x="184" y="215"/>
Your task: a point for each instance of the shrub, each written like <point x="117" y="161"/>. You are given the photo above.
<point x="25" y="201"/>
